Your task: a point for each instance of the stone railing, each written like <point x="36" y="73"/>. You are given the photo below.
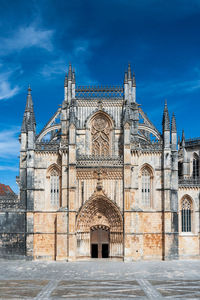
<point x="47" y="146"/>
<point x="109" y="92"/>
<point x="192" y="142"/>
<point x="189" y="181"/>
<point x="99" y="161"/>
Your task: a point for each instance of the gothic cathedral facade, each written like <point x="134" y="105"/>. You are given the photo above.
<point x="100" y="181"/>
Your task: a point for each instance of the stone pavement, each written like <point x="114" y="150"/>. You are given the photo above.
<point x="100" y="279"/>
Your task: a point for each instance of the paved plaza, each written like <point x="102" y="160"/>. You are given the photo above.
<point x="99" y="279"/>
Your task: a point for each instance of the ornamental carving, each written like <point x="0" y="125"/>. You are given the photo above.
<point x="186" y="204"/>
<point x="100" y="136"/>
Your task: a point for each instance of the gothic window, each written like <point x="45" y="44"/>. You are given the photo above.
<point x="180" y="169"/>
<point x="146" y="187"/>
<point x="100" y="136"/>
<point x="186" y="215"/>
<point x="195" y="167"/>
<point x="55" y="187"/>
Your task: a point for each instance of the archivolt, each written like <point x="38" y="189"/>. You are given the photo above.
<point x="99" y="210"/>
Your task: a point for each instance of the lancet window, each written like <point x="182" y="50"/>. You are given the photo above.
<point x="55" y="187"/>
<point x="100" y="136"/>
<point x="186" y="209"/>
<point x="146" y="187"/>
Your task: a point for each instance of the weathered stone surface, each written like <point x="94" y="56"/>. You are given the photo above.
<point x="101" y="164"/>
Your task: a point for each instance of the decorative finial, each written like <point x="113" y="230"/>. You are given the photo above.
<point x="129" y="71"/>
<point x="125" y="77"/>
<point x="29" y="89"/>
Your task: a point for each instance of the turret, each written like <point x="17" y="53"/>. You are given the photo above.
<point x="173" y="133"/>
<point x="65" y="87"/>
<point x="69" y="85"/>
<point x="30" y="120"/>
<point x="27" y="139"/>
<point x="129" y="86"/>
<point x="126" y="86"/>
<point x="170" y="186"/>
<point x="28" y="124"/>
<point x="166" y="127"/>
<point x="183" y="139"/>
<point x="134" y="88"/>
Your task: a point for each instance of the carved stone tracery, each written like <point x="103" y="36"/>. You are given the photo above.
<point x="100" y="132"/>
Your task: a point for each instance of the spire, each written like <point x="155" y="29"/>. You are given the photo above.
<point x="73" y="76"/>
<point x="134" y="82"/>
<point x="173" y="125"/>
<point x="125" y="77"/>
<point x="183" y="139"/>
<point x="129" y="71"/>
<point x="166" y="122"/>
<point x="70" y="72"/>
<point x="29" y="116"/>
<point x="29" y="101"/>
<point x="66" y="81"/>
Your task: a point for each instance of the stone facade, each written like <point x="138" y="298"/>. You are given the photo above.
<point x="101" y="181"/>
<point x="12" y="224"/>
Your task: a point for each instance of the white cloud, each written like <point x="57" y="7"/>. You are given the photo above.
<point x="27" y="37"/>
<point x="54" y="68"/>
<point x="165" y="88"/>
<point x="6" y="91"/>
<point x="78" y="56"/>
<point x="9" y="144"/>
<point x="9" y="168"/>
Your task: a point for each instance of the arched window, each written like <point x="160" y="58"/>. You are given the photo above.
<point x="100" y="131"/>
<point x="146" y="187"/>
<point x="186" y="215"/>
<point x="55" y="187"/>
<point x="195" y="167"/>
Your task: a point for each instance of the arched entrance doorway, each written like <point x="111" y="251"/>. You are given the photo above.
<point x="99" y="241"/>
<point x="99" y="229"/>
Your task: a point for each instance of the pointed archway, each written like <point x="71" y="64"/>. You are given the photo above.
<point x="99" y="213"/>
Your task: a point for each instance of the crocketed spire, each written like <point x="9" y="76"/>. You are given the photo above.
<point x="166" y="122"/>
<point x="66" y="81"/>
<point x="125" y="77"/>
<point x="29" y="101"/>
<point x="129" y="71"/>
<point x="73" y="76"/>
<point x="28" y="122"/>
<point x="70" y="72"/>
<point x="134" y="82"/>
<point x="183" y="139"/>
<point x="173" y="125"/>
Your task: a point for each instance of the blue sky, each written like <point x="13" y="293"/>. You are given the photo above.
<point x="38" y="39"/>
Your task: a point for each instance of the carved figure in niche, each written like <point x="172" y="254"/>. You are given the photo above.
<point x="100" y="136"/>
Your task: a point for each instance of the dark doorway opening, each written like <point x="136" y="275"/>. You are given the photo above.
<point x="99" y="238"/>
<point x="94" y="250"/>
<point x="104" y="250"/>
